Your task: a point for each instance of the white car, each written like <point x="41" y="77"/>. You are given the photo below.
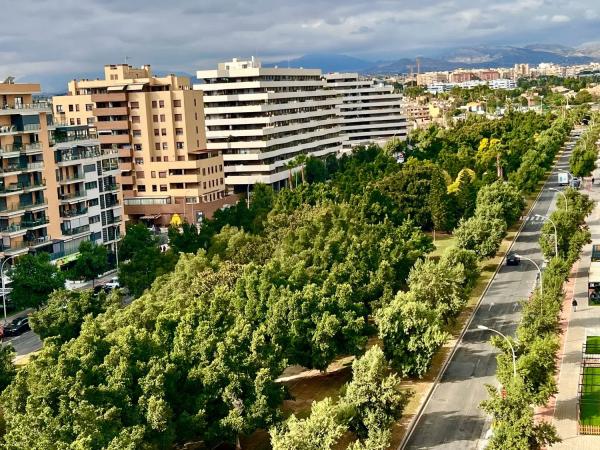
<point x="112" y="284"/>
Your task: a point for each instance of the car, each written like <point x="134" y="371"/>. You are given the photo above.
<point x="18" y="326"/>
<point x="512" y="260"/>
<point x="575" y="183"/>
<point x="112" y="284"/>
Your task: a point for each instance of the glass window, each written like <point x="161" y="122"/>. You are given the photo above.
<point x="141" y="188"/>
<point x="177" y="103"/>
<point x="89" y="168"/>
<point x="91" y="185"/>
<point x="161" y="103"/>
<point x="154" y="103"/>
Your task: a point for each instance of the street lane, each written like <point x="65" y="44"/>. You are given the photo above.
<point x="452" y="418"/>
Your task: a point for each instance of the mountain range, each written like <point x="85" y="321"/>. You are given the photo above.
<point x="464" y="57"/>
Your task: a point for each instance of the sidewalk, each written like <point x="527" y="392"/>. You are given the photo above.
<point x="565" y="414"/>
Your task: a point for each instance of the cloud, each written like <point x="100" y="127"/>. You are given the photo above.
<point x="71" y="37"/>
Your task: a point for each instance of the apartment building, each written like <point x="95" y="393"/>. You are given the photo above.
<point x="24" y="210"/>
<point x="371" y="112"/>
<point x="156" y="127"/>
<point x="262" y="118"/>
<point x="427" y="78"/>
<point x="87" y="195"/>
<point x="460" y="76"/>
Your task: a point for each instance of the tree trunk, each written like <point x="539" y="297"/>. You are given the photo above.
<point x="499" y="171"/>
<point x="302" y="172"/>
<point x="290" y="179"/>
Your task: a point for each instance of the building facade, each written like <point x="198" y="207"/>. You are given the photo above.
<point x="371" y="112"/>
<point x="156" y="126"/>
<point x="261" y="119"/>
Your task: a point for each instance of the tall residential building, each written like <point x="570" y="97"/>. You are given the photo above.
<point x="262" y="118"/>
<point x="86" y="196"/>
<point x="156" y="126"/>
<point x="371" y="112"/>
<point x="24" y="147"/>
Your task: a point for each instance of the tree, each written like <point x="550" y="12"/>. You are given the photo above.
<point x="373" y="395"/>
<point x="505" y="194"/>
<point x="137" y="236"/>
<point x="185" y="239"/>
<point x="7" y="368"/>
<point x="466" y="260"/>
<point x="411" y="333"/>
<point x="319" y="431"/>
<point x="65" y="312"/>
<point x="34" y="278"/>
<point x="92" y="261"/>
<point x="480" y="234"/>
<point x="145" y="265"/>
<point x="316" y="171"/>
<point x="438" y="285"/>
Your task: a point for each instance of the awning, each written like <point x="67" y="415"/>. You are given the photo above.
<point x="151" y="217"/>
<point x="115" y="88"/>
<point x="135" y="87"/>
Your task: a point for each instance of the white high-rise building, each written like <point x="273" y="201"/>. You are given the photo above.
<point x="262" y="118"/>
<point x="371" y="112"/>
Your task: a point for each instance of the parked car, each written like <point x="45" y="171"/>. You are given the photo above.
<point x="18" y="326"/>
<point x="576" y="183"/>
<point x="512" y="260"/>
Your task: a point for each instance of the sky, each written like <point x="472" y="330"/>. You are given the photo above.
<point x="55" y="40"/>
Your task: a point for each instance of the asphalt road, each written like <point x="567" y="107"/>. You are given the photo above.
<point x="452" y="418"/>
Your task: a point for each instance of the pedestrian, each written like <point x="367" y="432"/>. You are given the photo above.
<point x="592" y="180"/>
<point x="574" y="304"/>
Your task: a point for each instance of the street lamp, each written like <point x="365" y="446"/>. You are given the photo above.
<point x="555" y="232"/>
<point x="564" y="195"/>
<point x="538" y="269"/>
<point x="514" y="357"/>
<point x="3" y="291"/>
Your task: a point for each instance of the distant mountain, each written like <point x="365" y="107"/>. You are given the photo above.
<point x="326" y="62"/>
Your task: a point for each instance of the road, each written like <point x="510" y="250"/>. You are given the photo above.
<point x="452" y="419"/>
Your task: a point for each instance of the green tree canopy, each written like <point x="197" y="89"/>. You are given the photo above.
<point x="33" y="279"/>
<point x="92" y="261"/>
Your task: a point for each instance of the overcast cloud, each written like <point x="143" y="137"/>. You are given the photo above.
<point x="47" y="39"/>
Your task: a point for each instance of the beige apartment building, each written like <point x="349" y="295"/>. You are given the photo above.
<point x="156" y="126"/>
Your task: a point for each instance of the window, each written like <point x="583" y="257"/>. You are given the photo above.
<point x="137" y="133"/>
<point x="89" y="106"/>
<point x="162" y="174"/>
<point x="220" y="167"/>
<point x="178" y="117"/>
<point x="165" y="146"/>
<point x="155" y="118"/>
<point x="134" y="105"/>
<point x="204" y="185"/>
<point x="156" y="132"/>
<point x="90" y="121"/>
<point x="89" y="168"/>
<point x="161" y="103"/>
<point x="194" y="102"/>
<point x="163" y="188"/>
<point x="72" y="121"/>
<point x="157" y="146"/>
<point x="91" y="185"/>
<point x="154" y="188"/>
<point x="165" y="158"/>
<point x="179" y="145"/>
<point x="93" y="202"/>
<point x="78" y="121"/>
<point x="135" y="119"/>
<point x="137" y="147"/>
<point x="139" y="174"/>
<point x="181" y="158"/>
<point x="196" y="116"/>
<point x="163" y="131"/>
<point x="196" y="130"/>
<point x="154" y="103"/>
<point x="163" y="118"/>
<point x="59" y="108"/>
<point x="70" y="108"/>
<point x="221" y="180"/>
<point x="203" y="171"/>
<point x="153" y="174"/>
<point x="177" y="103"/>
<point x="95" y="219"/>
<point x="179" y="131"/>
<point x="141" y="188"/>
<point x="139" y="160"/>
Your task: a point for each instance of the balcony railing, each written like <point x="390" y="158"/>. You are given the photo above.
<point x="74" y="212"/>
<point x="115" y="219"/>
<point x="34" y="106"/>
<point x="72" y="195"/>
<point x="111" y="187"/>
<point x="34" y="185"/>
<point x="65" y="179"/>
<point x="12" y="208"/>
<point x="35" y="165"/>
<point x="34" y="223"/>
<point x="37" y="241"/>
<point x="8" y="129"/>
<point x="76" y="230"/>
<point x="14" y="247"/>
<point x="71" y="138"/>
<point x="12" y="228"/>
<point x="31" y="127"/>
<point x="9" y="168"/>
<point x="32" y="205"/>
<point x="13" y="187"/>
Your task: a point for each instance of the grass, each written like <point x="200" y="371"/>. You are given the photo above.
<point x="589" y="407"/>
<point x="442" y="242"/>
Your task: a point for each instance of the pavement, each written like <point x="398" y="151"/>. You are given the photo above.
<point x="584" y="321"/>
<point x="451" y="418"/>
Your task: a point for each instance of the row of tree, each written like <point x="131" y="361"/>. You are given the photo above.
<point x="536" y="342"/>
<point x="583" y="158"/>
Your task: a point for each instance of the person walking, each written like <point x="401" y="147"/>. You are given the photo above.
<point x="574" y="304"/>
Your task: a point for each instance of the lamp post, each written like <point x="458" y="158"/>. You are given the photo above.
<point x="512" y="350"/>
<point x="3" y="289"/>
<point x="564" y="196"/>
<point x="555" y="232"/>
<point x="538" y="269"/>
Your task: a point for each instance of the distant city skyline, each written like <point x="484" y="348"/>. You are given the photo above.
<point x="50" y="41"/>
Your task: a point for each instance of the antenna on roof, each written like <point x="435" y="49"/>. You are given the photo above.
<point x="9" y="80"/>
<point x="127" y="58"/>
